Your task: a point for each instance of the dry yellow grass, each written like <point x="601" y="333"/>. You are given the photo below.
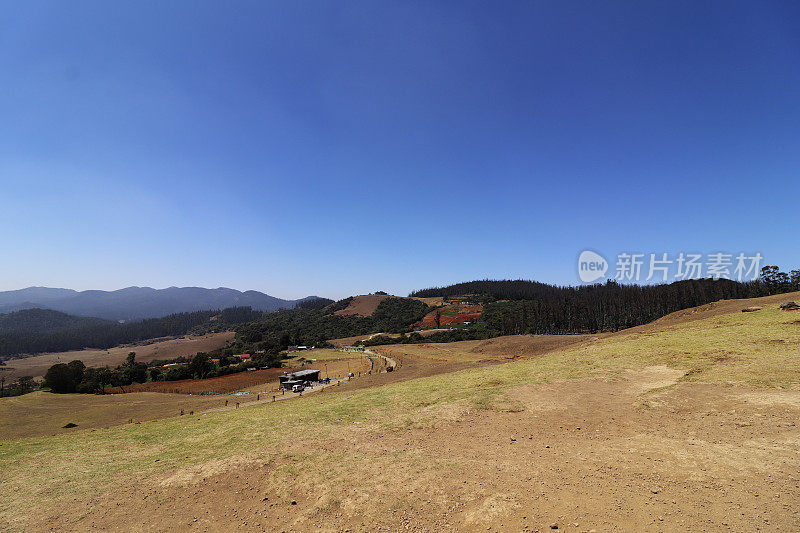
<point x="331" y="362"/>
<point x="37" y="365"/>
<point x="44" y="413"/>
<point x="42" y="475"/>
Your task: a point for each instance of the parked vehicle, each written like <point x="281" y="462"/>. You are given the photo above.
<point x="298" y="388"/>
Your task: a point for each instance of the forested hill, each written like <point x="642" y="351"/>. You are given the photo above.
<point x="39" y="321"/>
<point x="534" y="290"/>
<point x="519" y="306"/>
<point x="37" y="330"/>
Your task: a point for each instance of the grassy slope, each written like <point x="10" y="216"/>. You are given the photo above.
<point x="757" y="348"/>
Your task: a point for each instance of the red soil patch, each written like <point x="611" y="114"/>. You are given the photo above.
<point x="450" y="315"/>
<point x="221" y="384"/>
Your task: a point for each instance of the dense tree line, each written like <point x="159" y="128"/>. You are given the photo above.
<point x="313" y="327"/>
<point x="75" y="377"/>
<point x="515" y="307"/>
<point x="102" y="334"/>
<point x="534" y="290"/>
<point x="314" y="303"/>
<point x="608" y="307"/>
<point x="37" y="321"/>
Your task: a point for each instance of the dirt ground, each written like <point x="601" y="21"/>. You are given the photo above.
<point x="350" y="341"/>
<point x="363" y="305"/>
<point x="37" y="365"/>
<point x="261" y="379"/>
<point x="433" y="301"/>
<point x="331" y="363"/>
<point x="490" y="350"/>
<point x="640" y="453"/>
<point x="424" y="360"/>
<point x="721" y="307"/>
<point x="43" y="413"/>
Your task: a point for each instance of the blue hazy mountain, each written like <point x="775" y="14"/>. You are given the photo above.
<point x="136" y="303"/>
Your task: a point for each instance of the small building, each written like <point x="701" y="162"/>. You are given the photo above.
<point x="300" y="377"/>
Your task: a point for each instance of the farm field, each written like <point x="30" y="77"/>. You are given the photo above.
<point x="43" y="413"/>
<point x="337" y="364"/>
<point x="330" y="362"/>
<point x="37" y="365"/>
<point x="686" y="424"/>
<point x="261" y="380"/>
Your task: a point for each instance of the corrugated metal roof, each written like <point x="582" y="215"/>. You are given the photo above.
<point x="302" y="373"/>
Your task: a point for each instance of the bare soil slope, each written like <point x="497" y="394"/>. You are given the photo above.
<point x="721" y="307"/>
<point x="363" y="305"/>
<point x="490" y="350"/>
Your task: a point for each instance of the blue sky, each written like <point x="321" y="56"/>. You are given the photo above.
<point x="335" y="148"/>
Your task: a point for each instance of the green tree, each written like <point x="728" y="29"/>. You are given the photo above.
<point x="794" y="279"/>
<point x="201" y="365"/>
<point x="96" y="380"/>
<point x="131" y="371"/>
<point x="61" y="379"/>
<point x="77" y="368"/>
<point x="155" y="374"/>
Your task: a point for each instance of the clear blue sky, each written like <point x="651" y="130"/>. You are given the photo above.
<point x="335" y="148"/>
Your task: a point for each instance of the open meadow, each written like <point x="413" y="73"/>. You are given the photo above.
<point x="43" y="413"/>
<point x="36" y="365"/>
<point x="688" y="425"/>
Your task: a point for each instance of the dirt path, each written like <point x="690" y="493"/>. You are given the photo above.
<point x="235" y="402"/>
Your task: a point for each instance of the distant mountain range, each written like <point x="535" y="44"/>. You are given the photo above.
<point x="137" y="303"/>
